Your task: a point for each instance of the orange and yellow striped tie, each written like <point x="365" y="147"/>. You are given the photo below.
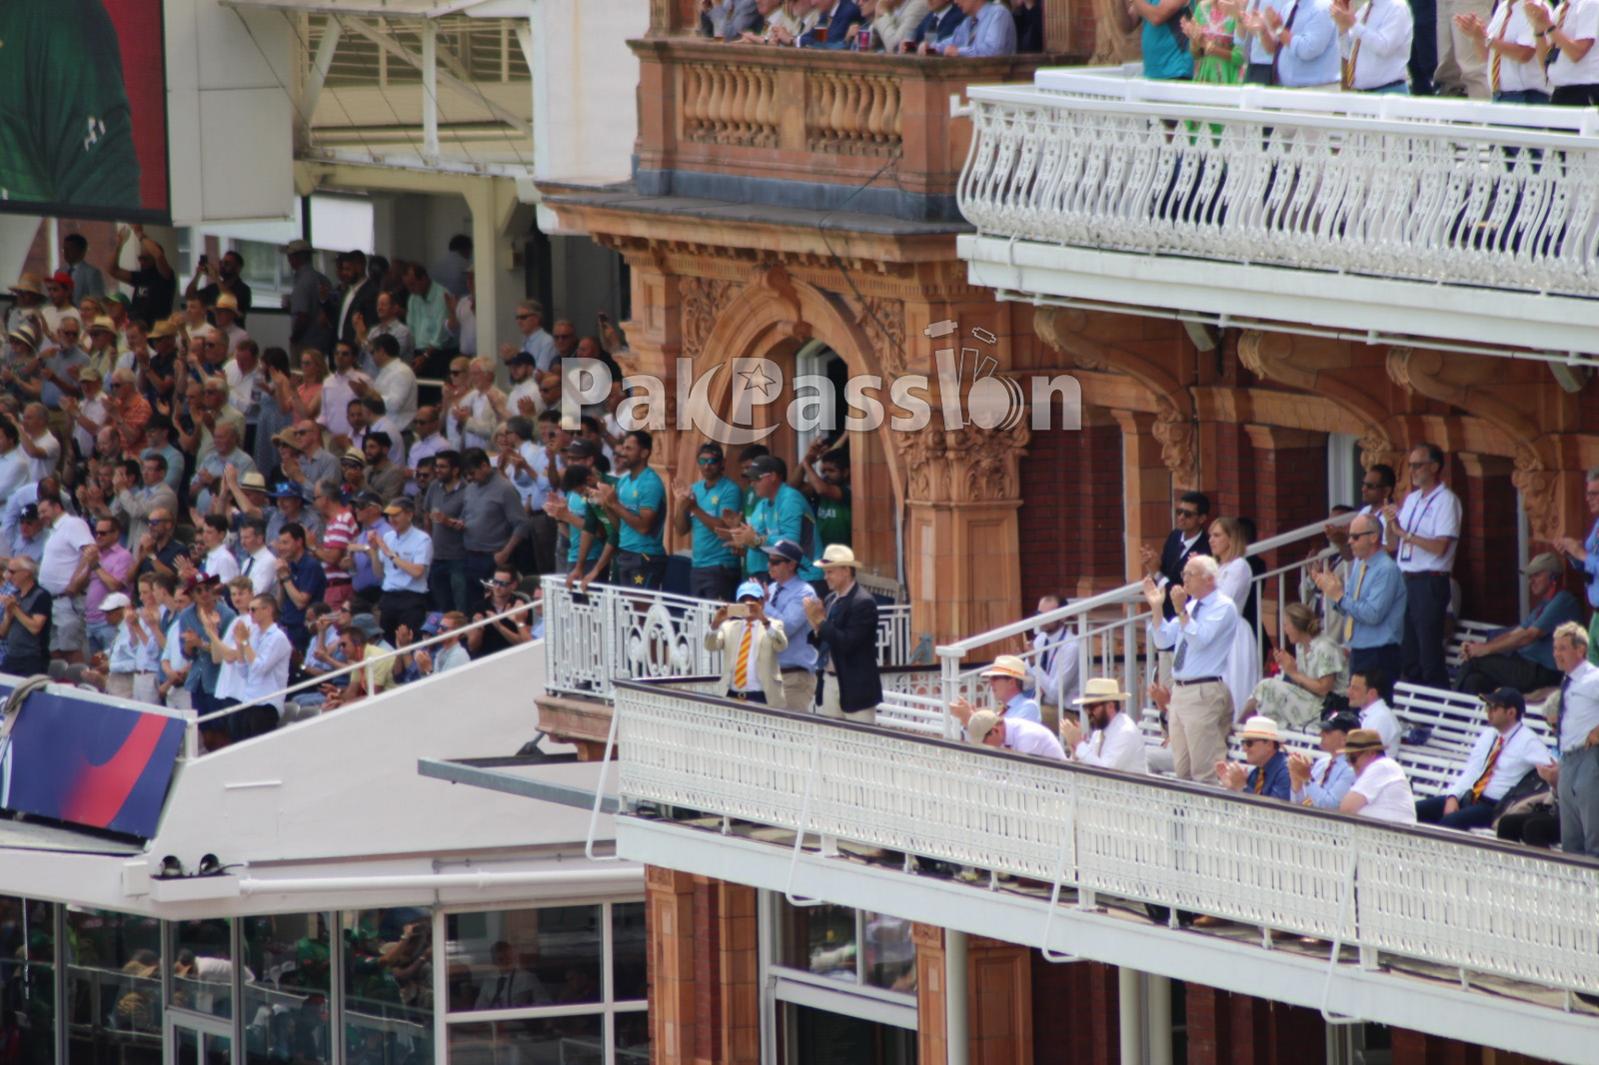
<point x="741" y="665"/>
<point x="1349" y="619"/>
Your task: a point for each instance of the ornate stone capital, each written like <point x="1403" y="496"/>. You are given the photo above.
<point x="1538" y="486"/>
<point x="1175" y="432"/>
<point x="883" y="322"/>
<point x="703" y="300"/>
<point x="1399" y="367"/>
<point x="965" y="465"/>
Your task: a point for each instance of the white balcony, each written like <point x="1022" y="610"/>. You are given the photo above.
<point x="1440" y="931"/>
<point x="1454" y="223"/>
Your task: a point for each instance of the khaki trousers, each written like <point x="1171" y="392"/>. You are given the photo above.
<point x="830" y="706"/>
<point x="1201" y="719"/>
<point x="119" y="685"/>
<point x="799" y="691"/>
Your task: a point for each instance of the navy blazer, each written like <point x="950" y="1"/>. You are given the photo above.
<point x="848" y="637"/>
<point x="938" y="25"/>
<point x="838" y="25"/>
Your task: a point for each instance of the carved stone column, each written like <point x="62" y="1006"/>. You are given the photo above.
<point x="961" y="544"/>
<point x="669" y="907"/>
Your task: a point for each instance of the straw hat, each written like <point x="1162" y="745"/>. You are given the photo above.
<point x="1261" y="728"/>
<point x="838" y="555"/>
<point x="1102" y="690"/>
<point x="1006" y="666"/>
<point x="1362" y="740"/>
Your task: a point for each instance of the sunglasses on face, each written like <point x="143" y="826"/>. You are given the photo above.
<point x="710" y="460"/>
<point x="1181" y="513"/>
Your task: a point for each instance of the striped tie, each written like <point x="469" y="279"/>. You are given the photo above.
<point x="741" y="666"/>
<point x="1349" y="619"/>
<point x="1488" y="771"/>
<point x="1354" y="52"/>
<point x="1496" y="57"/>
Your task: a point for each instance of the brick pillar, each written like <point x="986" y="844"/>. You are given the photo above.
<point x="1146" y="489"/>
<point x="1232" y="1029"/>
<point x="1071" y="515"/>
<point x="1487" y="549"/>
<point x="738" y="968"/>
<point x="669" y="907"/>
<point x="1228" y="467"/>
<point x="1076" y="1012"/>
<point x="1419" y="1048"/>
<point x="932" y="1043"/>
<point x="999" y="1002"/>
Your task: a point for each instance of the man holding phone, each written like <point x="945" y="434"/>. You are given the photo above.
<point x="749" y="643"/>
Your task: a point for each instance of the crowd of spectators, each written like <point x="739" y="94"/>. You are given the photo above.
<point x="968" y="28"/>
<point x="1516" y="51"/>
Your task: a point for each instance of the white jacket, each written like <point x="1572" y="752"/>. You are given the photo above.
<point x="767" y="643"/>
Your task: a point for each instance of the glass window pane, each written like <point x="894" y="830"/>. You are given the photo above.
<point x="286" y="959"/>
<point x="890" y="953"/>
<point x="547" y="1041"/>
<point x="113" y="988"/>
<point x="514" y="959"/>
<point x="817" y="939"/>
<point x="823" y="1038"/>
<point x="388" y="986"/>
<point x="27" y="979"/>
<point x="202" y="970"/>
<point x="633" y="1038"/>
<point x="629" y="952"/>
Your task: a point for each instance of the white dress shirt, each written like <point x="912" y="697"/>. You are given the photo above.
<point x="1119" y="745"/>
<point x="1378" y="716"/>
<point x="1435" y="513"/>
<point x="1514" y="76"/>
<point x="220" y="563"/>
<point x="1522" y="751"/>
<point x="250" y="682"/>
<point x="1579" y="706"/>
<point x="262" y="569"/>
<point x="1579" y="20"/>
<point x="1384" y="30"/>
<point x="1054" y="669"/>
<point x="1205" y="643"/>
<point x="396" y="383"/>
<point x="1387" y="792"/>
<point x="1029" y="737"/>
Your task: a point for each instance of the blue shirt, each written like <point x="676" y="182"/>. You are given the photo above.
<point x="1205" y="643"/>
<point x="203" y="673"/>
<point x="415" y="547"/>
<point x="1311" y="57"/>
<point x="788" y="516"/>
<point x="991" y="32"/>
<point x="364" y="576"/>
<point x="1020" y="706"/>
<point x="1164" y="58"/>
<point x="1378" y="608"/>
<point x="1257" y="51"/>
<point x="1277" y="783"/>
<point x="638" y="493"/>
<point x="1330" y="780"/>
<point x="715" y="499"/>
<point x="1546" y="618"/>
<point x="308" y="578"/>
<point x="1590" y="565"/>
<point x="785" y="602"/>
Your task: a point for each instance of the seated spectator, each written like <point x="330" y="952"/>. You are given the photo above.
<point x="1381" y="790"/>
<point x="989" y="30"/>
<point x="1366" y="688"/>
<point x="1504" y="754"/>
<point x="515" y="627"/>
<point x="1305" y="678"/>
<point x="1523" y="658"/>
<point x="1005" y="680"/>
<point x="358" y="642"/>
<point x="1114" y="741"/>
<point x="444" y="656"/>
<point x="834" y="29"/>
<point x="894" y="21"/>
<point x="750" y="643"/>
<point x="728" y="20"/>
<point x="1324" y="783"/>
<point x="1267" y="774"/>
<point x="1021" y="736"/>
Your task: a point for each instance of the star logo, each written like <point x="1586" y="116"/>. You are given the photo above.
<point x="758" y="380"/>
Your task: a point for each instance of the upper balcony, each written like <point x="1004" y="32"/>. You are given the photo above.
<point x="807" y="129"/>
<point x="1450" y="223"/>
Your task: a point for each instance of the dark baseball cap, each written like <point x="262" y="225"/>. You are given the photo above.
<point x="760" y="467"/>
<point x="29" y="512"/>
<point x="1341" y="722"/>
<point x="1509" y="698"/>
<point x="787" y="549"/>
<point x="579" y="448"/>
<point x="522" y="358"/>
<point x="287" y="490"/>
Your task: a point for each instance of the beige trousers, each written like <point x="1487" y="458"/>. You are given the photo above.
<point x="830" y="704"/>
<point x="799" y="691"/>
<point x="1201" y="718"/>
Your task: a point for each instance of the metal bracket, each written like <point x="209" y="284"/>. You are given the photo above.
<point x="799" y="830"/>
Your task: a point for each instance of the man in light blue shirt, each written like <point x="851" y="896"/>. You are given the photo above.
<point x="989" y="30"/>
<point x="1324" y="784"/>
<point x="709" y="508"/>
<point x="1304" y="44"/>
<point x="400" y="559"/>
<point x="1201" y="632"/>
<point x="785" y="602"/>
<point x="1373" y="605"/>
<point x="1250" y="32"/>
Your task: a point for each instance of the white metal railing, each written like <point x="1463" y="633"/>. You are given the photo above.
<point x="1431" y="895"/>
<point x="1110" y="628"/>
<point x="1499" y="196"/>
<point x="611" y="631"/>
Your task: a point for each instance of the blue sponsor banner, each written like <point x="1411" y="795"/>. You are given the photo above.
<point x="97" y="764"/>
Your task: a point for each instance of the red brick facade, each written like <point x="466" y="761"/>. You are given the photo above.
<point x="1072" y="530"/>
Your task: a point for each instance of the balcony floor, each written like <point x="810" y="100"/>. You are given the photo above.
<point x="730" y="211"/>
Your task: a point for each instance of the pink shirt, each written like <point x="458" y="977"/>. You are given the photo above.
<point x="119" y="563"/>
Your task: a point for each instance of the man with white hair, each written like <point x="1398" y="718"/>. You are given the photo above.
<point x="1201" y="634"/>
<point x="1023" y="737"/>
<point x="25" y="620"/>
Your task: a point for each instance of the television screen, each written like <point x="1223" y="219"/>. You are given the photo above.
<point x="83" y="123"/>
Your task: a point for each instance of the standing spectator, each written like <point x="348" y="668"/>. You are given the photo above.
<point x="1228" y="542"/>
<point x="1324" y="783"/>
<point x="1503" y="754"/>
<point x="490" y="512"/>
<point x="1201" y="636"/>
<point x="1267" y="775"/>
<point x="1367" y="688"/>
<point x="1565" y="47"/>
<point x="590" y="534"/>
<point x="29" y="297"/>
<point x="425" y="312"/>
<point x="708" y="508"/>
<point x="339" y="390"/>
<point x="395" y="382"/>
<point x="1586" y="552"/>
<point x="130" y="412"/>
<point x="14" y="467"/>
<point x="25" y="620"/>
<point x="1523" y="658"/>
<point x="258" y="563"/>
<point x="989" y="30"/>
<point x="638" y="502"/>
<point x="1113" y="740"/>
<point x="155" y="286"/>
<point x="258" y="654"/>
<point x="213" y="280"/>
<point x="358" y="297"/>
<point x="1376" y="46"/>
<point x="387" y="323"/>
<point x="1055" y="665"/>
<point x="823" y="476"/>
<point x="442" y="507"/>
<point x="1302" y="42"/>
<point x="58" y="288"/>
<point x="1165" y="48"/>
<point x="1373" y="604"/>
<point x="111" y="572"/>
<point x="536" y="341"/>
<point x="786" y="596"/>
<point x="206" y="610"/>
<point x="429" y="442"/>
<point x="780" y="513"/>
<point x="208" y="475"/>
<point x="159" y="549"/>
<point x="401" y="558"/>
<point x="845" y="630"/>
<point x="1423" y="533"/>
<point x="64" y="571"/>
<point x="308" y="325"/>
<point x="1182" y="543"/>
<point x="302" y="581"/>
<point x="340" y="529"/>
<point x="1381" y="790"/>
<point x="218" y="561"/>
<point x="382" y="475"/>
<point x="749" y="643"/>
<point x="453" y="267"/>
<point x="226" y="314"/>
<point x="86" y="280"/>
<point x="524" y="397"/>
<point x="1578" y="732"/>
<point x="1461" y="69"/>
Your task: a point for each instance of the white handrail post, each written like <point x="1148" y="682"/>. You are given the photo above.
<point x="949" y="668"/>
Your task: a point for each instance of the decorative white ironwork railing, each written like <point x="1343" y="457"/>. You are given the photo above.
<point x="1445" y="898"/>
<point x="1503" y="197"/>
<point x="623" y="632"/>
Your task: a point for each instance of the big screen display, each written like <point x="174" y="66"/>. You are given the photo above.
<point x="83" y="123"/>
